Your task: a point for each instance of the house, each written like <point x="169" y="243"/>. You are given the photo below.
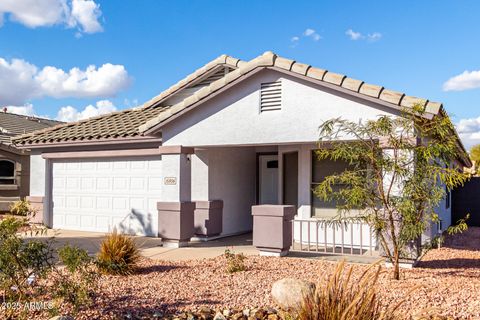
<point x="230" y="135"/>
<point x="15" y="162"/>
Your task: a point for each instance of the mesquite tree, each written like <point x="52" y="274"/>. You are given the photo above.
<point x="399" y="170"/>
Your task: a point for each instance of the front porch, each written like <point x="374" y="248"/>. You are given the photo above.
<point x="218" y="186"/>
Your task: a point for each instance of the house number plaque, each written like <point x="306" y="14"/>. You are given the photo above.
<point x="170" y="181"/>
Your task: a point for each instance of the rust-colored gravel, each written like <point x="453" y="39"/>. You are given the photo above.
<point x="449" y="280"/>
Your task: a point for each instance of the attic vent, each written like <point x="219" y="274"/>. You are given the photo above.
<point x="213" y="77"/>
<point x="271" y="96"/>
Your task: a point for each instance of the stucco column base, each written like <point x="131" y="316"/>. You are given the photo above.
<point x="272" y="229"/>
<point x="175" y="221"/>
<point x="37" y="204"/>
<point x="273" y="254"/>
<point x="174" y="244"/>
<point x="208" y="218"/>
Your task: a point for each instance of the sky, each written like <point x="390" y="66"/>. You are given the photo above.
<point x="73" y="59"/>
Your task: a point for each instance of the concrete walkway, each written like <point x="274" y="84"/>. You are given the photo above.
<point x="152" y="247"/>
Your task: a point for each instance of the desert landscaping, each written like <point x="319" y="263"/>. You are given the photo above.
<point x="448" y="281"/>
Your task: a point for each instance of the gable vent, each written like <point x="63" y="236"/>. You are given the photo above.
<point x="213" y="77"/>
<point x="271" y="96"/>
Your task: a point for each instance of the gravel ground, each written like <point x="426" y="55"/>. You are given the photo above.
<point x="449" y="278"/>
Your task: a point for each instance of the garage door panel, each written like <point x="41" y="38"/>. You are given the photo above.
<point x="98" y="195"/>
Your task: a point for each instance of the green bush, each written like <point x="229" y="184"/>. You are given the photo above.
<point x="77" y="282"/>
<point x="21" y="261"/>
<point x="22" y="208"/>
<point x="235" y="261"/>
<point x="118" y="254"/>
<point x="28" y="272"/>
<point x="343" y="297"/>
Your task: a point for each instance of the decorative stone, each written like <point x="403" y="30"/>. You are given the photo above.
<point x="219" y="316"/>
<point x="227" y="313"/>
<point x="289" y="293"/>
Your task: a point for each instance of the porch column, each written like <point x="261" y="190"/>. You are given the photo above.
<point x="175" y="211"/>
<point x="40" y="181"/>
<point x="272" y="229"/>
<point x="208" y="215"/>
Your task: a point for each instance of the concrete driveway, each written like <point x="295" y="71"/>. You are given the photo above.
<point x="152" y="247"/>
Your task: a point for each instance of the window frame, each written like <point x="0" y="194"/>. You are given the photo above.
<point x="12" y="178"/>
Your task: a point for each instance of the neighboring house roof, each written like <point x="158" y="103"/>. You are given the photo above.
<point x="12" y="124"/>
<point x="208" y="81"/>
<point x="124" y="124"/>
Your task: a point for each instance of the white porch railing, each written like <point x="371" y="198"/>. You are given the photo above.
<point x="325" y="236"/>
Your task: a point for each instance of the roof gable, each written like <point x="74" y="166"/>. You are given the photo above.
<point x="379" y="94"/>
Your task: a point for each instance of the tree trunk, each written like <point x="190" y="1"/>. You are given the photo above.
<point x="396" y="265"/>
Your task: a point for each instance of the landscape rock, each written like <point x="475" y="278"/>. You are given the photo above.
<point x="289" y="293"/>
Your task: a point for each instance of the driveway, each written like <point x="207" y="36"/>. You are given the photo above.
<point x="152" y="247"/>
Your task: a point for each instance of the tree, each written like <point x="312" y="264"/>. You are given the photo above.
<point x="475" y="156"/>
<point x="399" y="168"/>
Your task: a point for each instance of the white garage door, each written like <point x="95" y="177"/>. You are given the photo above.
<point x="100" y="194"/>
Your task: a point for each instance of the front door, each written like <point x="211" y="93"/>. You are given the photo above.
<point x="268" y="179"/>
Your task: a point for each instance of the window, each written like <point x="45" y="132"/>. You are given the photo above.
<point x="7" y="172"/>
<point x="320" y="170"/>
<point x="271" y="96"/>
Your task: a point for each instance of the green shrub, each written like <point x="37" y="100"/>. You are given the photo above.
<point x="342" y="297"/>
<point x="22" y="208"/>
<point x="77" y="282"/>
<point x="235" y="261"/>
<point x="118" y="254"/>
<point x="21" y="261"/>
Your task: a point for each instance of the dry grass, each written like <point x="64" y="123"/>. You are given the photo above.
<point x="118" y="254"/>
<point x="341" y="297"/>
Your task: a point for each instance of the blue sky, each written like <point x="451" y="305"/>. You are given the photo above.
<point x="135" y="49"/>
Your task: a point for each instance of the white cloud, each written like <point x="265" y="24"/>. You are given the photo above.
<point x="464" y="81"/>
<point x="83" y="14"/>
<point x="26" y="110"/>
<point x="312" y="33"/>
<point x="21" y="81"/>
<point x="354" y="35"/>
<point x="70" y="114"/>
<point x="86" y="13"/>
<point x="374" y="36"/>
<point x="469" y="131"/>
<point x="308" y="33"/>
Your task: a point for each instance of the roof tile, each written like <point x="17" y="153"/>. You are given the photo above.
<point x="351" y="84"/>
<point x="370" y="90"/>
<point x="334" y="78"/>
<point x="316" y="73"/>
<point x="409" y="101"/>
<point x="300" y="68"/>
<point x="284" y="63"/>
<point x="391" y="96"/>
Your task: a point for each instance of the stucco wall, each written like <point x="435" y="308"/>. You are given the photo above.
<point x="227" y="174"/>
<point x="233" y="117"/>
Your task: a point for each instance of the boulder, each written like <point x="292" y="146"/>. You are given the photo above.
<point x="289" y="293"/>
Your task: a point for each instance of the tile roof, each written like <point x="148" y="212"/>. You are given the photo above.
<point x="120" y="124"/>
<point x="12" y="124"/>
<point x="142" y="121"/>
<point x="270" y="60"/>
